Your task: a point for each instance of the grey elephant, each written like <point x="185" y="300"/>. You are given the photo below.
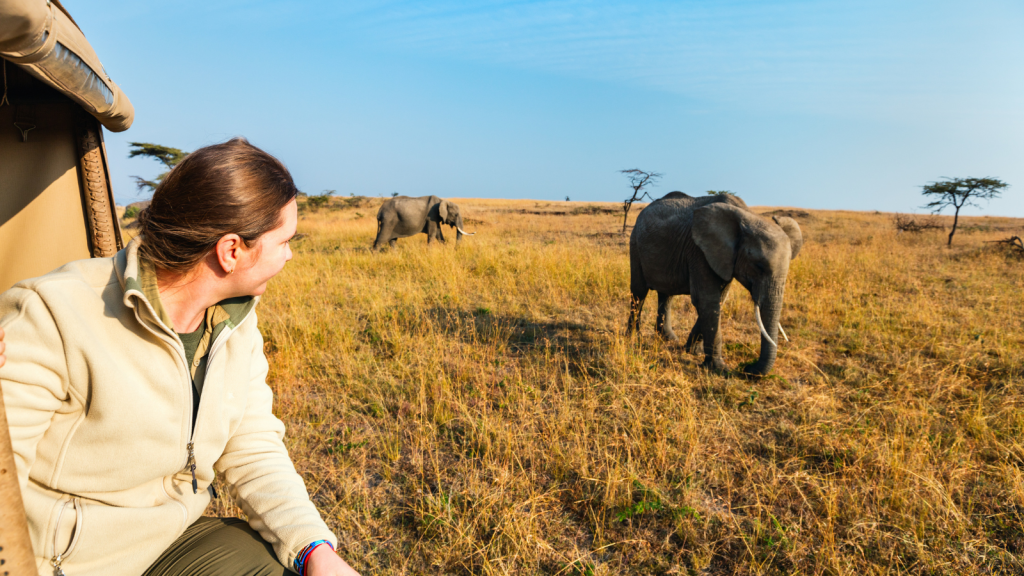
<point x="697" y="246"/>
<point x="402" y="216"/>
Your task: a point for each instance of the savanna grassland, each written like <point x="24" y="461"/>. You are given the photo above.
<point x="480" y="411"/>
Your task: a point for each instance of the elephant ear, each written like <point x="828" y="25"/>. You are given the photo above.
<point x="716" y="231"/>
<point x="792" y="229"/>
<point x="442" y="210"/>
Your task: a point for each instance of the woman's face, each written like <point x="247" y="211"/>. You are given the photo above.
<point x="268" y="255"/>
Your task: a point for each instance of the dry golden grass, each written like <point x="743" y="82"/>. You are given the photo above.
<point x="480" y="411"/>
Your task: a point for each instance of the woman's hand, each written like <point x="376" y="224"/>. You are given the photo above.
<point x="2" y="346"/>
<point x="323" y="561"/>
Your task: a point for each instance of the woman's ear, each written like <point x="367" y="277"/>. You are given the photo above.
<point x="716" y="231"/>
<point x="792" y="229"/>
<point x="442" y="210"/>
<point x="228" y="252"/>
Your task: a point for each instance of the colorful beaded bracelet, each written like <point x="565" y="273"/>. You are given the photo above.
<point x="300" y="560"/>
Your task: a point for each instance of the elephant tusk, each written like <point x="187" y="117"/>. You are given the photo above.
<point x="464" y="232"/>
<point x="783" y="333"/>
<point x="760" y="325"/>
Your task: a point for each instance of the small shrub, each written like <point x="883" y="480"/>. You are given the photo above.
<point x="340" y="448"/>
<point x="649" y="502"/>
<point x="578" y="568"/>
<point x="638" y="509"/>
<point x="354" y="201"/>
<point x="315" y="203"/>
<point x="907" y="223"/>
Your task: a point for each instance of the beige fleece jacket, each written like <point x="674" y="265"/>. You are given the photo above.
<point x="99" y="404"/>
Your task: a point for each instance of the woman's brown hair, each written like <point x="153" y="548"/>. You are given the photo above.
<point x="222" y="189"/>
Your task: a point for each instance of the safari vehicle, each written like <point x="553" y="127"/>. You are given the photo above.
<point x="56" y="203"/>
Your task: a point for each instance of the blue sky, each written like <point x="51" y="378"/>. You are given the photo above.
<point x="840" y="104"/>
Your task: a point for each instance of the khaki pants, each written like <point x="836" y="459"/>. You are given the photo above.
<point x="218" y="546"/>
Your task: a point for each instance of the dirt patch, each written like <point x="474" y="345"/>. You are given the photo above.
<point x="593" y="210"/>
<point x="580" y="211"/>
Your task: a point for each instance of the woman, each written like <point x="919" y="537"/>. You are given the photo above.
<point x="131" y="381"/>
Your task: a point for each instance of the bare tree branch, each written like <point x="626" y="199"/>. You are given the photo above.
<point x="639" y="181"/>
<point x="1013" y="242"/>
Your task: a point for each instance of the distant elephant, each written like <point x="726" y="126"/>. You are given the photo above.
<point x="402" y="216"/>
<point x="697" y="246"/>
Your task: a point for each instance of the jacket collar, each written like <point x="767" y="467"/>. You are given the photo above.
<point x="138" y="279"/>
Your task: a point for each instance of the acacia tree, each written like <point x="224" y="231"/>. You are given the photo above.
<point x="960" y="192"/>
<point x="168" y="156"/>
<point x="639" y="181"/>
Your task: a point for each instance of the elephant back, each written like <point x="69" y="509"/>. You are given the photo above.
<point x="673" y="214"/>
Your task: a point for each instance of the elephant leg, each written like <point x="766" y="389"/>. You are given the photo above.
<point x="434" y="232"/>
<point x="638" y="293"/>
<point x="693" y="340"/>
<point x="440" y="234"/>
<point x="664" y="323"/>
<point x="696" y="336"/>
<point x="636" y="306"/>
<point x="393" y="242"/>
<point x="709" y="312"/>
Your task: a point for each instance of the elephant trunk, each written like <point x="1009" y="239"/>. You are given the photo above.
<point x="767" y="310"/>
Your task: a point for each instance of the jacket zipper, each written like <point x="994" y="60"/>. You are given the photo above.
<point x="190" y="461"/>
<point x="190" y="455"/>
<point x="58" y="557"/>
<point x="190" y="458"/>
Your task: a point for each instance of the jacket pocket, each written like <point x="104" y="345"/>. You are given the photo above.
<point x="66" y="531"/>
<point x="124" y="540"/>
